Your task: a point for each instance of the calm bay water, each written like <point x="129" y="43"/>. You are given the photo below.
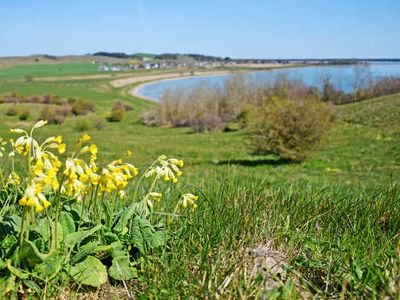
<point x="343" y="77"/>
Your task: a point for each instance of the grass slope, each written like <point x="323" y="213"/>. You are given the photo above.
<point x="334" y="218"/>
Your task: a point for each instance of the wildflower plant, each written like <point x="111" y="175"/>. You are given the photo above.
<point x="75" y="217"/>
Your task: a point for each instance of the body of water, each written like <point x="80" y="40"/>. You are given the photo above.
<point x="343" y="77"/>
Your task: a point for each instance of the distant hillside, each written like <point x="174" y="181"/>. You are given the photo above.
<point x="139" y="56"/>
<point x="164" y="56"/>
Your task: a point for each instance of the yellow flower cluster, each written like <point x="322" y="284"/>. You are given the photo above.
<point x="167" y="169"/>
<point x="80" y="176"/>
<point x="13" y="179"/>
<point x="115" y="176"/>
<point x="43" y="166"/>
<point x="188" y="200"/>
<point x="151" y="197"/>
<point x="2" y="146"/>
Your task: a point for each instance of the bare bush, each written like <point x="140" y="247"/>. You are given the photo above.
<point x="208" y="107"/>
<point x="24" y="113"/>
<point x="123" y="105"/>
<point x="56" y="115"/>
<point x="12" y="111"/>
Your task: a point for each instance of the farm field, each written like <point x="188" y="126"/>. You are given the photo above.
<point x="330" y="223"/>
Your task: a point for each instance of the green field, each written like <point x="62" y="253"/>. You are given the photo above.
<point x="47" y="70"/>
<point x="333" y="219"/>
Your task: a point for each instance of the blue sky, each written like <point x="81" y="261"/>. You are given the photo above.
<point x="235" y="28"/>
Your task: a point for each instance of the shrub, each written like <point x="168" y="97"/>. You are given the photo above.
<point x="205" y="123"/>
<point x="83" y="124"/>
<point x="287" y="128"/>
<point x="56" y="115"/>
<point x="12" y="111"/>
<point x="116" y="115"/>
<point x="24" y="113"/>
<point x="99" y="123"/>
<point x="82" y="107"/>
<point x="123" y="105"/>
<point x="149" y="118"/>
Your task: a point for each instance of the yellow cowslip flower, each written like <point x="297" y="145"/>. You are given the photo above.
<point x="168" y="169"/>
<point x="188" y="200"/>
<point x="2" y="146"/>
<point x="93" y="149"/>
<point x="39" y="124"/>
<point x="121" y="194"/>
<point x="33" y="196"/>
<point x="62" y="148"/>
<point x="153" y="196"/>
<point x="86" y="137"/>
<point x="128" y="153"/>
<point x="13" y="179"/>
<point x="58" y="139"/>
<point x="38" y="169"/>
<point x="38" y="208"/>
<point x="116" y="175"/>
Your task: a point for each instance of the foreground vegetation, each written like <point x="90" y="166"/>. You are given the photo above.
<point x="328" y="226"/>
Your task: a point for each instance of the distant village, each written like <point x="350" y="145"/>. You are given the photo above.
<point x="173" y="61"/>
<point x="155" y="65"/>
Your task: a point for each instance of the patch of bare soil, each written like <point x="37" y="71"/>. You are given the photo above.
<point x="269" y="263"/>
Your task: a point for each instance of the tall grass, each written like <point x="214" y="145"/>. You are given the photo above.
<point x="336" y="241"/>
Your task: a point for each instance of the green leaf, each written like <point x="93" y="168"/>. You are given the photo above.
<point x="121" y="269"/>
<point x="17" y="272"/>
<point x="43" y="229"/>
<point x="75" y="238"/>
<point x="10" y="224"/>
<point x="124" y="217"/>
<point x="50" y="267"/>
<point x="67" y="223"/>
<point x="7" y="285"/>
<point x="30" y="253"/>
<point x="9" y="242"/>
<point x="117" y="249"/>
<point x="34" y="286"/>
<point x="137" y="237"/>
<point x="89" y="272"/>
<point x="158" y="239"/>
<point x="141" y="233"/>
<point x="84" y="251"/>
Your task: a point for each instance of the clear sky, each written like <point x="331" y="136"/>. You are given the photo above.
<point x="235" y="28"/>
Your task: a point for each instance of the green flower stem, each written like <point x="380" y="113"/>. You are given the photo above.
<point x="110" y="217"/>
<point x="57" y="213"/>
<point x="21" y="232"/>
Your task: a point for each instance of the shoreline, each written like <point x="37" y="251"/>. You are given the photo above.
<point x="134" y="91"/>
<point x="140" y="84"/>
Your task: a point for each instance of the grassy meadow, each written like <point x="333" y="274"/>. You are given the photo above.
<point x="331" y="224"/>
